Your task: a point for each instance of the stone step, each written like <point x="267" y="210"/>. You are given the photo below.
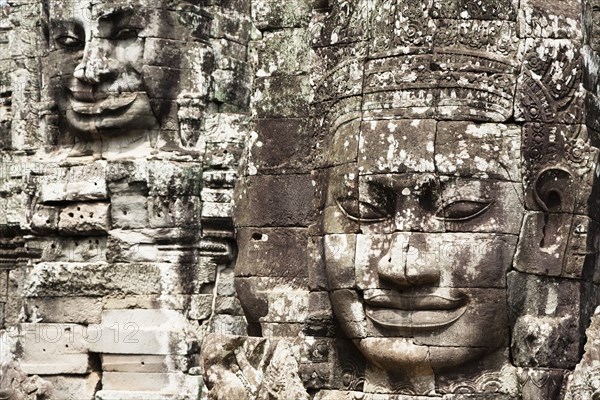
<point x="143" y="331"/>
<point x="50" y="349"/>
<point x="147" y="363"/>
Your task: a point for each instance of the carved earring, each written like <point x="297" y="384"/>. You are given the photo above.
<point x="545" y="234"/>
<point x="553" y="192"/>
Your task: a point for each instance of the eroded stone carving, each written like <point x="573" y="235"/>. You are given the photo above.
<point x="433" y="234"/>
<point x="16" y="385"/>
<point x="103" y="92"/>
<point x="121" y="196"/>
<point x="251" y="368"/>
<point x="455" y="160"/>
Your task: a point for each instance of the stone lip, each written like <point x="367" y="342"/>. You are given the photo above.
<point x="406" y="312"/>
<point x="111" y="103"/>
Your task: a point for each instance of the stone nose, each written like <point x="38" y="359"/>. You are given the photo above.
<point x="97" y="64"/>
<point x="411" y="262"/>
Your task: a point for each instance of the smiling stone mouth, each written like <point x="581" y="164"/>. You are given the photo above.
<point x="417" y="312"/>
<point x="111" y="103"/>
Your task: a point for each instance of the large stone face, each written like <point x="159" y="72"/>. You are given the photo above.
<point x="415" y="213"/>
<point x="121" y="126"/>
<point x="453" y="154"/>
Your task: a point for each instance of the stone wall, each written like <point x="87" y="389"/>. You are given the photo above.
<point x="118" y="247"/>
<point x="375" y="199"/>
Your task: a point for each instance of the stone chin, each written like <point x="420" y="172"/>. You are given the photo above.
<point x="402" y="353"/>
<point x="114" y="116"/>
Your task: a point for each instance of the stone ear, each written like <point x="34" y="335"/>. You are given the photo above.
<point x="553" y="191"/>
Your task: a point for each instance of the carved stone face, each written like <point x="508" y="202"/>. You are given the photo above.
<point x="99" y="62"/>
<point x="419" y="236"/>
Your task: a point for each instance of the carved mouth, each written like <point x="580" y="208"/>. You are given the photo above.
<point x="417" y="312"/>
<point x="110" y="103"/>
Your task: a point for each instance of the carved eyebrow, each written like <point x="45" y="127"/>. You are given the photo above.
<point x="60" y="26"/>
<point x="113" y="20"/>
<point x="120" y="15"/>
<point x="64" y="24"/>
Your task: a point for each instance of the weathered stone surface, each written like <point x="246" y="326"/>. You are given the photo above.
<point x="273" y="62"/>
<point x="17" y="385"/>
<point x="74" y="387"/>
<point x="70" y="249"/>
<point x="274" y="200"/>
<point x="478" y="150"/>
<point x="228" y="325"/>
<point x="279" y="360"/>
<point x="272" y="14"/>
<point x="78" y="183"/>
<point x="100" y="279"/>
<point x="564" y="22"/>
<point x="281" y="96"/>
<point x="546" y="330"/>
<point x="201" y="306"/>
<point x="140" y="363"/>
<point x="83" y="310"/>
<point x="85" y="219"/>
<point x="51" y="349"/>
<point x="266" y="247"/>
<point x="281" y="145"/>
<point x="162" y="383"/>
<point x="158" y="332"/>
<point x="584" y="381"/>
<point x="45" y="219"/>
<point x="129" y="212"/>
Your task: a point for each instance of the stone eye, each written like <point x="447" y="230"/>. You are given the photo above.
<point x="463" y="210"/>
<point x="69" y="41"/>
<point x="125" y="33"/>
<point x="361" y="211"/>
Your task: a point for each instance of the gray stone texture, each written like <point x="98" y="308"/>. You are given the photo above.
<point x="327" y="199"/>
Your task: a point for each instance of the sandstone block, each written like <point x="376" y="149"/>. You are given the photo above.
<point x="265" y="248"/>
<point x="162" y="383"/>
<point x="547" y="332"/>
<point x="101" y="279"/>
<point x="74" y="388"/>
<point x="129" y="211"/>
<point x="282" y="96"/>
<point x="144" y="332"/>
<point x="86" y="188"/>
<point x="228" y="325"/>
<point x="45" y="219"/>
<point x="76" y="310"/>
<point x="54" y="348"/>
<point x="275" y="200"/>
<point x="168" y="211"/>
<point x="201" y="306"/>
<point x="562" y="23"/>
<point x="143" y="363"/>
<point x="85" y="219"/>
<point x="274" y="14"/>
<point x="69" y="249"/>
<point x="283" y="144"/>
